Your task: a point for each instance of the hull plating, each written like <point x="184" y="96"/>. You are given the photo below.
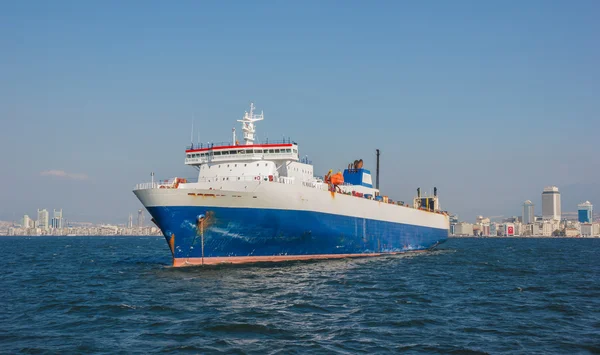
<point x="240" y="235"/>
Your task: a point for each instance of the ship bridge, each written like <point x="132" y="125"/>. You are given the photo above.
<point x="232" y="160"/>
<point x="226" y="152"/>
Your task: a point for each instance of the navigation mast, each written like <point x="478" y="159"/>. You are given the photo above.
<point x="248" y="124"/>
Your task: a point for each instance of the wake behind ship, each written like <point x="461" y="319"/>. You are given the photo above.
<point x="260" y="202"/>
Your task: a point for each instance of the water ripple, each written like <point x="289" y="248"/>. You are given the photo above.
<point x="472" y="296"/>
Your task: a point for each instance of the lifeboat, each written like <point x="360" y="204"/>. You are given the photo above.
<point x="337" y="178"/>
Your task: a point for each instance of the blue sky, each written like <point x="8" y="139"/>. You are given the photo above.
<point x="489" y="101"/>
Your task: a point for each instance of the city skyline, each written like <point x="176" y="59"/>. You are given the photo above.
<point x="527" y="207"/>
<point x="342" y="81"/>
<point x="57" y="221"/>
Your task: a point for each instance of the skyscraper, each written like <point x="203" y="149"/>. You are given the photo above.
<point x="585" y="212"/>
<point x="528" y="214"/>
<point x="27" y="221"/>
<point x="57" y="220"/>
<point x="551" y="203"/>
<point x="42" y="219"/>
<point x="130" y="221"/>
<point x="140" y="220"/>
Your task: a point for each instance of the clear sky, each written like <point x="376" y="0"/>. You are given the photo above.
<point x="487" y="100"/>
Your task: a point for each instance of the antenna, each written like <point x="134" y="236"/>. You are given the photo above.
<point x="377" y="170"/>
<point x="192" y="135"/>
<point x="248" y="124"/>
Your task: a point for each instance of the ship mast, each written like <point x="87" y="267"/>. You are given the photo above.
<point x="248" y="124"/>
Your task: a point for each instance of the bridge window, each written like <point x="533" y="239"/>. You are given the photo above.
<point x="276" y="150"/>
<point x="258" y="151"/>
<point x="270" y="150"/>
<point x="224" y="152"/>
<point x="288" y="150"/>
<point x="233" y="152"/>
<point x="217" y="153"/>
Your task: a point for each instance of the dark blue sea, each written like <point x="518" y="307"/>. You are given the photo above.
<point x="471" y="296"/>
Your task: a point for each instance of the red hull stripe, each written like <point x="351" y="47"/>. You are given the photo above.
<point x="177" y="262"/>
<point x="239" y="147"/>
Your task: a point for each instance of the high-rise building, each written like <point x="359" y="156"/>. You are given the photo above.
<point x="140" y="221"/>
<point x="130" y="221"/>
<point x="27" y="222"/>
<point x="585" y="212"/>
<point x="57" y="220"/>
<point x="551" y="203"/>
<point x="528" y="215"/>
<point x="42" y="219"/>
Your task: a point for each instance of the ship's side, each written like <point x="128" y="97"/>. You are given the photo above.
<point x="271" y="221"/>
<point x="262" y="202"/>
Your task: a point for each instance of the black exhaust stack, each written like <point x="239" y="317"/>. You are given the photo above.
<point x="377" y="171"/>
<point x="435" y="191"/>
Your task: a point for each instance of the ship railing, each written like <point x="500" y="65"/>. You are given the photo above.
<point x="168" y="183"/>
<point x="319" y="185"/>
<point x="230" y="144"/>
<point x="146" y="186"/>
<point x="241" y="157"/>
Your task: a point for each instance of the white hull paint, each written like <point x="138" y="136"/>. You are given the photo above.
<point x="271" y="195"/>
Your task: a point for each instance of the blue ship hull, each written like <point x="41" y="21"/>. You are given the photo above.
<point x="253" y="234"/>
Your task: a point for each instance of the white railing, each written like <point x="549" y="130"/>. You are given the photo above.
<point x="241" y="157"/>
<point x="146" y="186"/>
<point x="258" y="179"/>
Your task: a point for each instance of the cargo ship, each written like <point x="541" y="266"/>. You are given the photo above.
<point x="260" y="201"/>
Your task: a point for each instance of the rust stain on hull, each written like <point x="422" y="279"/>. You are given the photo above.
<point x="172" y="246"/>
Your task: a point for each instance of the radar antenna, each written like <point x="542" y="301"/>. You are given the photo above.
<point x="248" y="124"/>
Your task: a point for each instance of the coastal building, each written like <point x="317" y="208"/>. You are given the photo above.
<point x="509" y="229"/>
<point x="551" y="203"/>
<point x="584" y="212"/>
<point x="130" y="221"/>
<point x="485" y="230"/>
<point x="27" y="222"/>
<point x="57" y="220"/>
<point x="571" y="232"/>
<point x="482" y="220"/>
<point x="493" y="229"/>
<point x="453" y="221"/>
<point x="463" y="228"/>
<point x="140" y="219"/>
<point x="528" y="213"/>
<point x="527" y="229"/>
<point x="587" y="230"/>
<point x="42" y="219"/>
<point x="548" y="227"/>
